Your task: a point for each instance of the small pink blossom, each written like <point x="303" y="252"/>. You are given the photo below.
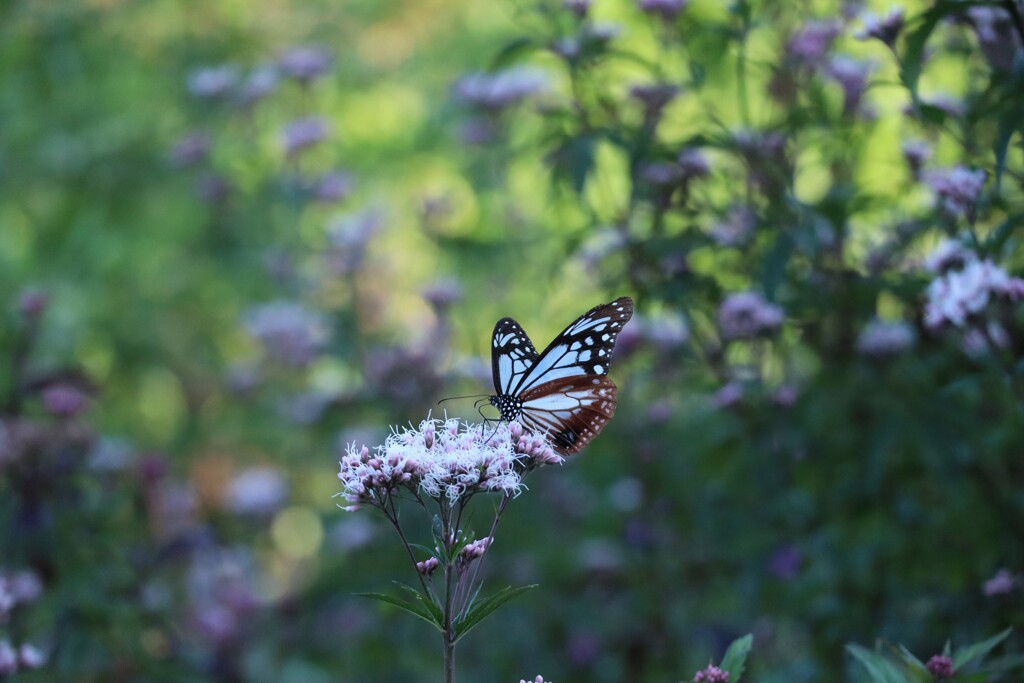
<point x="956" y="189"/>
<point x="1002" y="583"/>
<point x="712" y="674"/>
<point x="428" y="566"/>
<point x="940" y="666"/>
<point x="813" y="40"/>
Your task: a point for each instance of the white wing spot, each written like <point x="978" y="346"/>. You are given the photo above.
<point x="599" y="369"/>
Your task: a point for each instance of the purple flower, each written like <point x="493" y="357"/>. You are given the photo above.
<point x="348" y="238"/>
<point x="666" y="9"/>
<point x="333" y="186"/>
<point x="996" y="35"/>
<point x="8" y="658"/>
<point x="257" y="491"/>
<point x="940" y="666"/>
<point x="956" y="189"/>
<point x="785" y="562"/>
<point x="538" y="679"/>
<point x="694" y="163"/>
<point x="887" y="29"/>
<point x="190" y="149"/>
<point x="1002" y="583"/>
<point x="881" y="339"/>
<point x="949" y="255"/>
<point x="306" y="63"/>
<point x="916" y="153"/>
<point x="813" y="40"/>
<point x="443" y="293"/>
<point x="852" y="77"/>
<point x="30" y="656"/>
<point x="428" y="566"/>
<point x="303" y="133"/>
<point x="475" y="550"/>
<point x="662" y="173"/>
<point x="957" y="296"/>
<point x="64" y="400"/>
<point x="737" y="228"/>
<point x="667" y="333"/>
<point x="23" y="587"/>
<point x="212" y="82"/>
<point x="501" y="89"/>
<point x="577" y="7"/>
<point x="260" y="83"/>
<point x="728" y="395"/>
<point x="289" y="332"/>
<point x="212" y="188"/>
<point x="747" y="315"/>
<point x="712" y="674"/>
<point x="32" y="303"/>
<point x="654" y="97"/>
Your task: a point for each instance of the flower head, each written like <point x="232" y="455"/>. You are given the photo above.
<point x="852" y="76"/>
<point x="940" y="666"/>
<point x="957" y="296"/>
<point x="666" y="9"/>
<point x="712" y="674"/>
<point x="289" y="332"/>
<point x="747" y="315"/>
<point x="190" y="149"/>
<point x="306" y="63"/>
<point x="444" y="459"/>
<point x="949" y="255"/>
<point x="881" y="339"/>
<point x="1002" y="583"/>
<point x="501" y="89"/>
<point x="256" y="491"/>
<point x="259" y="84"/>
<point x="303" y="133"/>
<point x="30" y="656"/>
<point x="212" y="82"/>
<point x="956" y="189"/>
<point x="8" y="658"/>
<point x="813" y="40"/>
<point x="885" y="29"/>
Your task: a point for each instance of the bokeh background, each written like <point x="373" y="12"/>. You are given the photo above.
<point x="235" y="236"/>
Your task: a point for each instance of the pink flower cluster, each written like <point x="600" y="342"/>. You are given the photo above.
<point x="443" y="459"/>
<point x="956" y="189"/>
<point x="747" y="315"/>
<point x="712" y="674"/>
<point x="958" y="295"/>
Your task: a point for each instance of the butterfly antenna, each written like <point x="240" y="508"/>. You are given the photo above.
<point x="452" y="398"/>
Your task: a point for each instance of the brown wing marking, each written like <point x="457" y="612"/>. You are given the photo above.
<point x="571" y="411"/>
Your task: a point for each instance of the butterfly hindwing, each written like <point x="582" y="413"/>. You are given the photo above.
<point x="583" y="348"/>
<point x="512" y="355"/>
<point x="571" y="411"/>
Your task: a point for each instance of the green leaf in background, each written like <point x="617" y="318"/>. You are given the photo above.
<point x="418" y="609"/>
<point x="968" y="654"/>
<point x="735" y="658"/>
<point x="879" y="667"/>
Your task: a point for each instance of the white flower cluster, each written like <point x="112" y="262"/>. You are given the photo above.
<point x="443" y="458"/>
<point x="958" y="295"/>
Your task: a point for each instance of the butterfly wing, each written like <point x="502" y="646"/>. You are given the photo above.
<point x="512" y="355"/>
<point x="572" y="411"/>
<point x="583" y="348"/>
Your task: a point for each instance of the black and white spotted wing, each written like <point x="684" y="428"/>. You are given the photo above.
<point x="563" y="390"/>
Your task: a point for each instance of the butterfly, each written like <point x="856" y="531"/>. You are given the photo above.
<point x="563" y="391"/>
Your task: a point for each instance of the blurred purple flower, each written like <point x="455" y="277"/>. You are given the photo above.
<point x="957" y="296"/>
<point x="190" y="149"/>
<point x="348" y="238"/>
<point x="694" y="163"/>
<point x="212" y="81"/>
<point x="477" y="131"/>
<point x="215" y="622"/>
<point x="303" y="133"/>
<point x="258" y="491"/>
<point x="260" y="83"/>
<point x="443" y="293"/>
<point x="887" y="29"/>
<point x="243" y="378"/>
<point x="289" y="332"/>
<point x="583" y="648"/>
<point x="949" y="255"/>
<point x="747" y="315"/>
<point x="881" y="339"/>
<point x="305" y="408"/>
<point x="22" y="586"/>
<point x="785" y="395"/>
<point x="30" y="656"/>
<point x="996" y="34"/>
<point x="737" y="228"/>
<point x="32" y="302"/>
<point x="956" y="189"/>
<point x="333" y="186"/>
<point x="667" y="333"/>
<point x="8" y="658"/>
<point x="654" y="97"/>
<point x="666" y="9"/>
<point x="428" y="566"/>
<point x="712" y="674"/>
<point x="306" y="63"/>
<point x="728" y="395"/>
<point x="500" y="89"/>
<point x="352" y="533"/>
<point x="626" y="494"/>
<point x="940" y="666"/>
<point x="813" y="40"/>
<point x="1001" y="584"/>
<point x="577" y="7"/>
<point x="662" y="173"/>
<point x="537" y="679"/>
<point x="786" y="562"/>
<point x="852" y="76"/>
<point x="950" y="106"/>
<point x="916" y="153"/>
<point x="984" y="339"/>
<point x="64" y="400"/>
<point x="152" y="468"/>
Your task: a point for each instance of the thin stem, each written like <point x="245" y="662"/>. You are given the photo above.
<point x="480" y="560"/>
<point x="1018" y="22"/>
<point x="448" y="631"/>
<point x="392" y="516"/>
<point x="741" y="68"/>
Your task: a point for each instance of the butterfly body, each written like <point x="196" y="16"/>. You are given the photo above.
<point x="562" y="391"/>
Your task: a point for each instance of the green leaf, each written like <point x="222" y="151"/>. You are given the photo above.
<point x="879" y="667"/>
<point x="735" y="658"/>
<point x="912" y="59"/>
<point x="427" y="601"/>
<point x="968" y="654"/>
<point x="418" y="609"/>
<point x="485" y="607"/>
<point x="512" y="51"/>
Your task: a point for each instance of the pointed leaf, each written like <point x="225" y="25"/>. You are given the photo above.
<point x="912" y="60"/>
<point x="427" y="601"/>
<point x="417" y="609"/>
<point x="483" y="608"/>
<point x="968" y="654"/>
<point x="735" y="658"/>
<point x="879" y="667"/>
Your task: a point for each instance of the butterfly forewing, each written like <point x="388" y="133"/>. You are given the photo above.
<point x="571" y="411"/>
<point x="512" y="355"/>
<point x="583" y="348"/>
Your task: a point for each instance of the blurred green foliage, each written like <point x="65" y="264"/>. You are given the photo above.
<point x="229" y="320"/>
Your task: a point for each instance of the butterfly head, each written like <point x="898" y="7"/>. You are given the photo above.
<point x="509" y="406"/>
